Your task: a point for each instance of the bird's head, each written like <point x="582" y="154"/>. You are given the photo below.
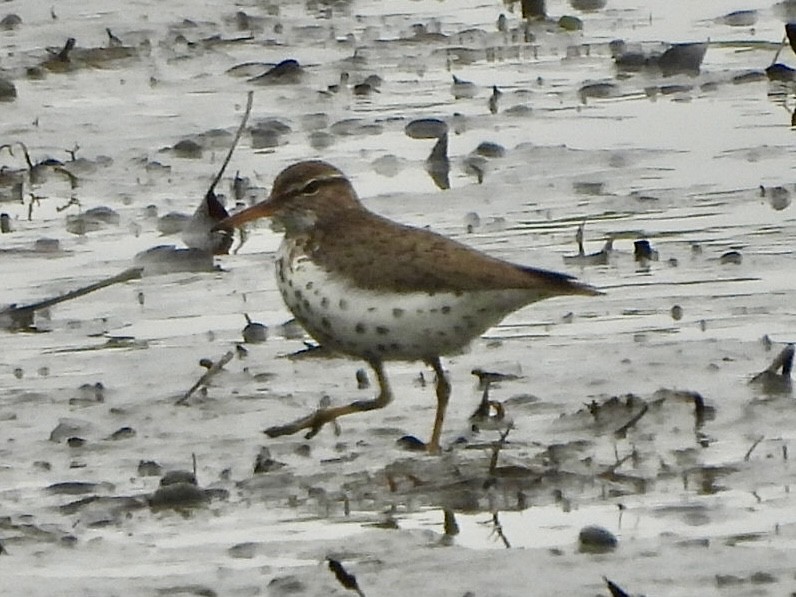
<point x="303" y="195"/>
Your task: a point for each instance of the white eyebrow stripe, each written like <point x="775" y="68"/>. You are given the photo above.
<point x="331" y="177"/>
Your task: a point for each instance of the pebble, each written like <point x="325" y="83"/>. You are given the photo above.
<point x="149" y="468"/>
<point x="254" y="332"/>
<point x="8" y="91"/>
<point x="426" y="128"/>
<point x="174" y="477"/>
<point x="173" y="222"/>
<point x="731" y="257"/>
<point x="596" y="539"/>
<point x="187" y="149"/>
<point x="10" y="22"/>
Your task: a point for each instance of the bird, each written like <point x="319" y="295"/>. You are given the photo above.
<point x="377" y="290"/>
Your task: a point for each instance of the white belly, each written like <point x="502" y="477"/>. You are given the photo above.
<point x="369" y="324"/>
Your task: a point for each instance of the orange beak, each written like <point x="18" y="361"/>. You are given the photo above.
<point x="255" y="212"/>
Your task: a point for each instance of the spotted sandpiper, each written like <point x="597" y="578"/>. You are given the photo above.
<point x="370" y="288"/>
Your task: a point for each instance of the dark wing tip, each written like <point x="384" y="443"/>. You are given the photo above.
<point x="559" y="283"/>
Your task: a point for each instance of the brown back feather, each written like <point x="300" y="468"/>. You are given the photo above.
<point x="401" y="258"/>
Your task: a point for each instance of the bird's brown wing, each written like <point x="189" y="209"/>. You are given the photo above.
<point x="405" y="259"/>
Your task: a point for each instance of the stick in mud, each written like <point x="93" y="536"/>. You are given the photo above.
<point x="208" y="375"/>
<point x="622" y="431"/>
<point x="244" y="120"/>
<point x="20" y="318"/>
<point x="496" y="449"/>
<point x="615" y="590"/>
<point x="783" y="360"/>
<point x="497" y="529"/>
<point x="752" y="448"/>
<point x="211" y="211"/>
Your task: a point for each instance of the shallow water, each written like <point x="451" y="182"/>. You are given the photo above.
<point x="682" y="170"/>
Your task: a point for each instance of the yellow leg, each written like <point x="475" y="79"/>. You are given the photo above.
<point x="320" y="417"/>
<point x="443" y="395"/>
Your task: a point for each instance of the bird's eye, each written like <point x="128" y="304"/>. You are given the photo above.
<point x="311" y="187"/>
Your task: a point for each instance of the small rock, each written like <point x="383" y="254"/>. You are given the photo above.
<point x="643" y="251"/>
<point x="570" y="23"/>
<point x="173" y="222"/>
<point x="490" y="150"/>
<point x="72" y="488"/>
<point x="411" y="443"/>
<point x="588" y="5"/>
<point x="287" y="72"/>
<point x="103" y="214"/>
<point x="243" y="550"/>
<point x="122" y="433"/>
<point x="780" y="72"/>
<point x="761" y="578"/>
<point x="728" y="580"/>
<point x="68" y="428"/>
<point x="585" y="187"/>
<point x="10" y="22"/>
<point x="320" y="139"/>
<point x="198" y="590"/>
<point x="387" y="165"/>
<point x="254" y="333"/>
<point x="286" y="585"/>
<point x="731" y="257"/>
<point x="739" y="18"/>
<point x="778" y="197"/>
<point x="8" y="91"/>
<point x="683" y="58"/>
<point x="426" y="128"/>
<point x="47" y="245"/>
<point x="187" y="149"/>
<point x="174" y="477"/>
<point x="599" y="90"/>
<point x="596" y="539"/>
<point x="178" y="495"/>
<point x="149" y="468"/>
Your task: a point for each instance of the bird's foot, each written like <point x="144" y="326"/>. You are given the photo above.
<point x="314" y="422"/>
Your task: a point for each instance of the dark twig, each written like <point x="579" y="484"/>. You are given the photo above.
<point x="496" y="447"/>
<point x="14" y="317"/>
<point x="622" y="431"/>
<point x="497" y="529"/>
<point x="241" y="127"/>
<point x="205" y="379"/>
<point x="752" y="448"/>
<point x="216" y="211"/>
<point x="345" y="578"/>
<point x="779" y="50"/>
<point x="783" y="360"/>
<point x="611" y="470"/>
<point x="614" y="589"/>
<point x="776" y="378"/>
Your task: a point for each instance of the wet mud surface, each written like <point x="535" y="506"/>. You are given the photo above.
<point x="632" y="411"/>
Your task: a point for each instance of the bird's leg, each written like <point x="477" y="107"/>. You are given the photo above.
<point x="443" y="395"/>
<point x="320" y="417"/>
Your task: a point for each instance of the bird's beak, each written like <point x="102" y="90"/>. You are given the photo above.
<point x="261" y="210"/>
